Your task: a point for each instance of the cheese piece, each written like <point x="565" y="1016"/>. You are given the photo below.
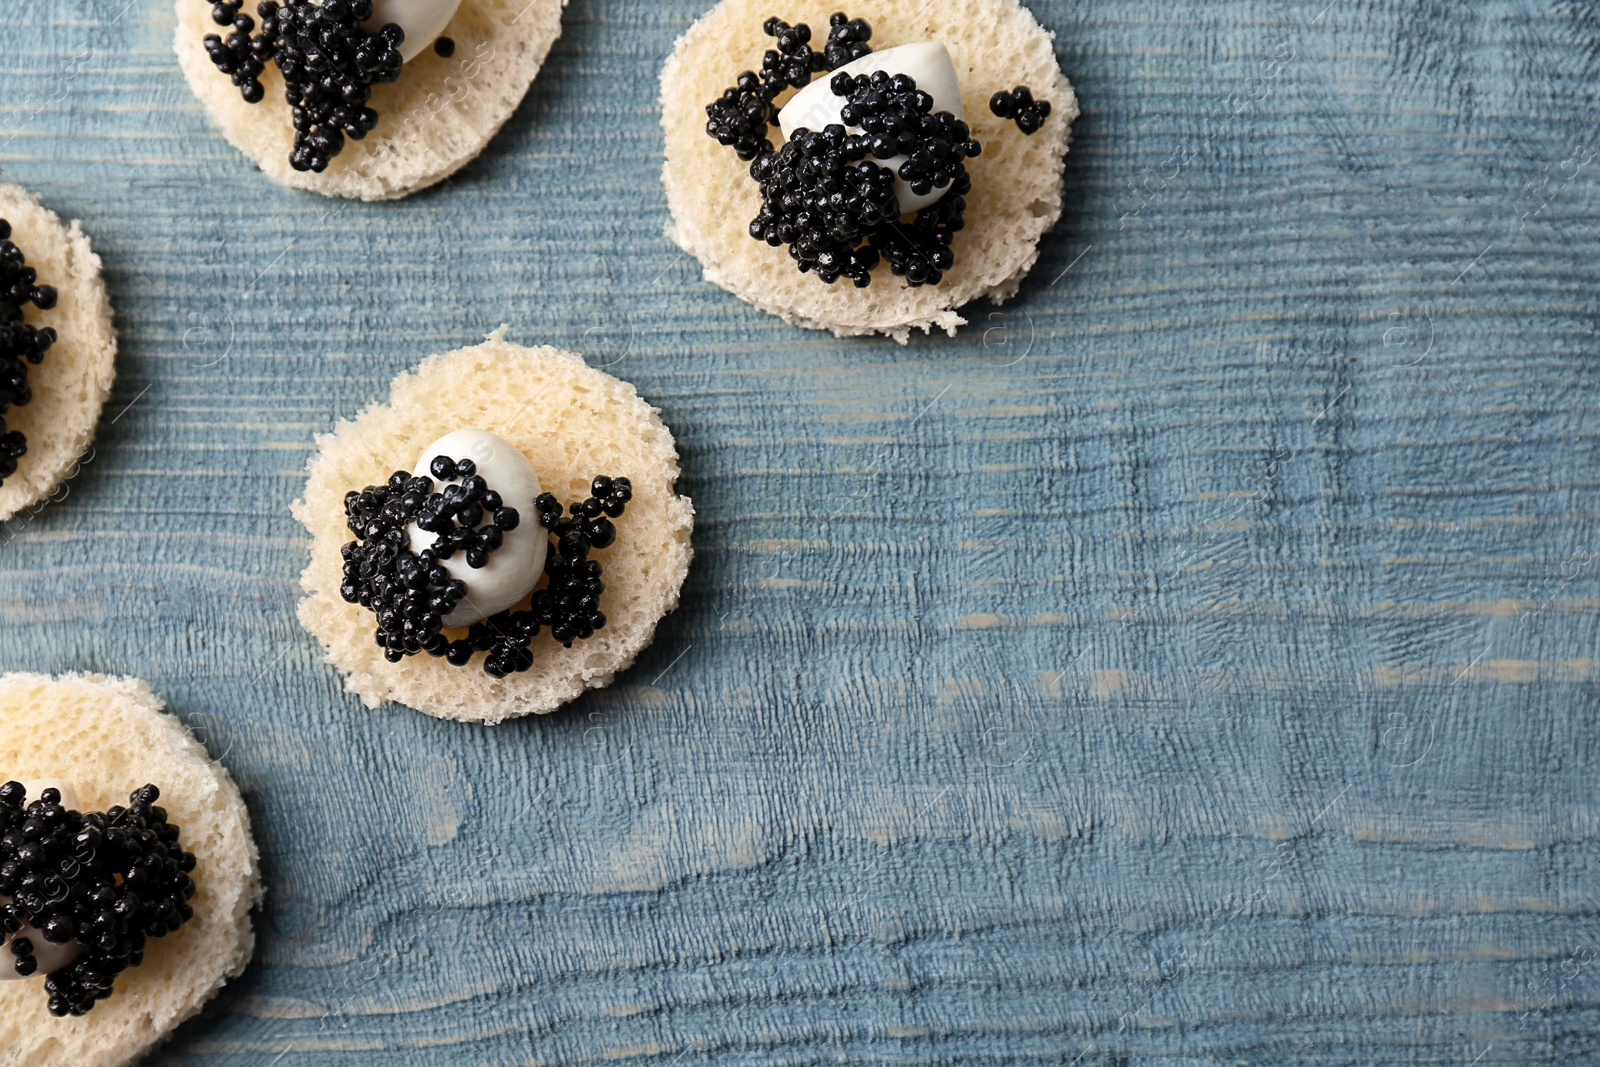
<point x="423" y="20"/>
<point x="516" y="566"/>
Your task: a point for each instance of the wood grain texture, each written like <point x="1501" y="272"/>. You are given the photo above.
<point x="1194" y="663"/>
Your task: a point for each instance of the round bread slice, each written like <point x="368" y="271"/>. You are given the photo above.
<point x="572" y="422"/>
<point x="1016" y="182"/>
<point x="109" y="736"/>
<point x="432" y="121"/>
<point x="71" y="385"/>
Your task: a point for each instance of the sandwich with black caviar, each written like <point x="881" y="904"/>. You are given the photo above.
<point x="866" y="171"/>
<point x="501" y="535"/>
<point x="57" y="351"/>
<point x="128" y="874"/>
<point x="371" y="99"/>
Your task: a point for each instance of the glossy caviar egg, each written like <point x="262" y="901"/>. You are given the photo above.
<point x="69" y="795"/>
<point x="515" y="567"/>
<point x="816" y="107"/>
<point x="423" y="21"/>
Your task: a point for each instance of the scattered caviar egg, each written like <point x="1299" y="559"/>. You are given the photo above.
<point x="423" y="21"/>
<point x="1019" y="106"/>
<point x="512" y="569"/>
<point x="817" y="107"/>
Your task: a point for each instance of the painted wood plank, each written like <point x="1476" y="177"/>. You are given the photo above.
<point x="1192" y="663"/>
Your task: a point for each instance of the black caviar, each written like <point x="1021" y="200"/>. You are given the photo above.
<point x="328" y="61"/>
<point x="411" y="594"/>
<point x="824" y="195"/>
<point x="740" y="117"/>
<point x="1020" y="106"/>
<point x="444" y="47"/>
<point x="20" y="343"/>
<point x="837" y="210"/>
<point x="106" y="880"/>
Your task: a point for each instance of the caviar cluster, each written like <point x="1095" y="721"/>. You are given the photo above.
<point x="454" y="515"/>
<point x="105" y="880"/>
<point x="20" y="344"/>
<point x="408" y="592"/>
<point x="329" y="66"/>
<point x="1020" y="106"/>
<point x="824" y="195"/>
<point x="411" y="593"/>
<point x="570" y="604"/>
<point x="822" y="198"/>
<point x="836" y="208"/>
<point x="741" y="118"/>
<point x="897" y="118"/>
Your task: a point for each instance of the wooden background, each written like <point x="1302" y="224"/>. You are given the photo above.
<point x="1192" y="663"/>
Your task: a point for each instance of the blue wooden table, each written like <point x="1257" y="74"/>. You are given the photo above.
<point x="1192" y="663"/>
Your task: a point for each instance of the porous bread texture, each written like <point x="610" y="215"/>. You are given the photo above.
<point x="572" y="422"/>
<point x="432" y="121"/>
<point x="1016" y="182"/>
<point x="71" y="385"/>
<point x="109" y="736"/>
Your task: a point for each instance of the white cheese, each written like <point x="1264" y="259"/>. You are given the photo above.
<point x="423" y="20"/>
<point x="515" y="567"/>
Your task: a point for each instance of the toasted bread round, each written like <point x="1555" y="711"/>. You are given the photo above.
<point x="71" y="385"/>
<point x="572" y="422"/>
<point x="432" y="121"/>
<point x="109" y="736"/>
<point x="1016" y="182"/>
